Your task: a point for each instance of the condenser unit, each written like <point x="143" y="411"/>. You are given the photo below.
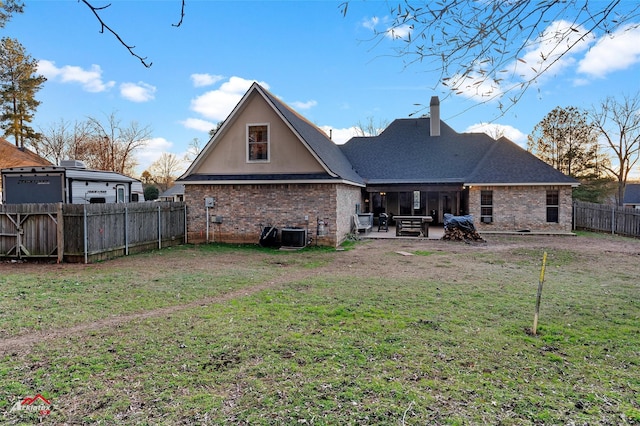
<point x="294" y="237"/>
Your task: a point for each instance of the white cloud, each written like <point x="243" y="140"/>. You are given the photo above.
<point x="137" y="92"/>
<point x="200" y="80"/>
<point x="613" y="52"/>
<point x="90" y="80"/>
<point x="547" y="52"/>
<point x="496" y="131"/>
<point x="217" y="104"/>
<point x="399" y="32"/>
<point x="339" y="136"/>
<point x="304" y="105"/>
<point x="370" y="23"/>
<point x="475" y="86"/>
<point x="198" y="124"/>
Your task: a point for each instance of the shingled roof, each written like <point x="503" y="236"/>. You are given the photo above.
<point x="12" y="156"/>
<point x="405" y="152"/>
<point x="316" y="139"/>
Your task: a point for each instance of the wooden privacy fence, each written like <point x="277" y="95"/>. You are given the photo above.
<point x="606" y="218"/>
<point x="89" y="232"/>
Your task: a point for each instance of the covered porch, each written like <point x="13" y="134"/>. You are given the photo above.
<point x="416" y="200"/>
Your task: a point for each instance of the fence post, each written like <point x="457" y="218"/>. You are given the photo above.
<point x="126" y="229"/>
<point x="613" y="220"/>
<point x="159" y="229"/>
<point x="60" y="233"/>
<point x="86" y="237"/>
<point x="185" y="223"/>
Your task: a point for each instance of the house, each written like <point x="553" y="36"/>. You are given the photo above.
<point x="12" y="156"/>
<point x="175" y="193"/>
<point x="631" y="196"/>
<point x="269" y="166"/>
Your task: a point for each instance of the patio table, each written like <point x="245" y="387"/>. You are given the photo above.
<point x="412" y="225"/>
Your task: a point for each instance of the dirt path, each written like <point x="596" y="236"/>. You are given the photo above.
<point x="375" y="258"/>
<point x="13" y="345"/>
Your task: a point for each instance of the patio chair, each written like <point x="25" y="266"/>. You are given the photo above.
<point x="383" y="222"/>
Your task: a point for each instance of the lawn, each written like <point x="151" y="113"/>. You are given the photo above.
<point x="220" y="334"/>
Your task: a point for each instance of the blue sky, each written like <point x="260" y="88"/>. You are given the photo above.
<point x="321" y="63"/>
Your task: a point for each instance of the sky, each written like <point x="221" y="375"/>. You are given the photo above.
<point x="325" y="65"/>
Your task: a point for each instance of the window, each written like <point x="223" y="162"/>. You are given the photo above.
<point x="486" y="206"/>
<point x="552" y="205"/>
<point x="119" y="194"/>
<point x="258" y="142"/>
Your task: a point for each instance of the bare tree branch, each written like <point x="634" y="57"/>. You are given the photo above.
<point x="497" y="50"/>
<point x="181" y="16"/>
<point x="618" y="123"/>
<point x="104" y="26"/>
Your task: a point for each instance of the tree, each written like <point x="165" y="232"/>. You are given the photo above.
<point x="165" y="169"/>
<point x="566" y="140"/>
<point x="146" y="177"/>
<point x="369" y="128"/>
<point x="7" y="9"/>
<point x="107" y="145"/>
<point x="111" y="145"/>
<point x="62" y="141"/>
<point x="497" y="48"/>
<point x="19" y="84"/>
<point x="151" y="193"/>
<point x="193" y="151"/>
<point x="618" y="124"/>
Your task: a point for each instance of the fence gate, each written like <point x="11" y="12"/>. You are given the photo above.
<point x="30" y="230"/>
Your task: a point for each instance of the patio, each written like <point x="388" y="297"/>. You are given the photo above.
<point x="435" y="233"/>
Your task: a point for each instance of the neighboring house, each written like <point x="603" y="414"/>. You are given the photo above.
<point x="631" y="195"/>
<point x="175" y="193"/>
<point x="12" y="156"/>
<point x="267" y="165"/>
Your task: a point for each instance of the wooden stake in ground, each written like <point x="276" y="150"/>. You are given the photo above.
<point x="539" y="296"/>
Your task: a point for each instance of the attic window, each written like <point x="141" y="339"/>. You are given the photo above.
<point x="258" y="143"/>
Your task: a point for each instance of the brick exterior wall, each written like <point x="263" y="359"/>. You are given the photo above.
<point x="517" y="208"/>
<point x="244" y="208"/>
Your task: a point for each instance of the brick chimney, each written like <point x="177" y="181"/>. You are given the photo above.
<point x="434" y="120"/>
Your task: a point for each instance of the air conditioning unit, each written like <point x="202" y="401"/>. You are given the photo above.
<point x="76" y="164"/>
<point x="294" y="237"/>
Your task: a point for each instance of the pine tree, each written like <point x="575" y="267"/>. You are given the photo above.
<point x="566" y="140"/>
<point x="19" y="83"/>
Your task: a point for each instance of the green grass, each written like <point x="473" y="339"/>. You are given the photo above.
<point x="330" y="346"/>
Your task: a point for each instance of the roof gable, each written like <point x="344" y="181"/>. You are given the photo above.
<point x="507" y="163"/>
<point x="331" y="160"/>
